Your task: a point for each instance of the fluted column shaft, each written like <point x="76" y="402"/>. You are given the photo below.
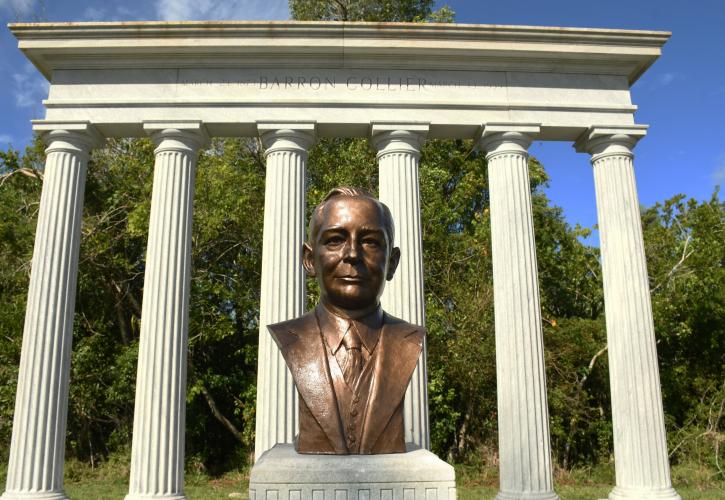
<point x="399" y="188"/>
<point x="283" y="279"/>
<point x="157" y="455"/>
<point x="37" y="449"/>
<point x="640" y="448"/>
<point x="523" y="417"/>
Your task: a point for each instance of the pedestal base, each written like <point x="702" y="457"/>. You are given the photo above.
<point x="34" y="495"/>
<point x="625" y="493"/>
<point x="283" y="474"/>
<point x="548" y="495"/>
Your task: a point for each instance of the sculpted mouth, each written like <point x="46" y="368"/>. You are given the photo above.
<point x="351" y="279"/>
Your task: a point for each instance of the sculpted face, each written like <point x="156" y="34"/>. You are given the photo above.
<point x="350" y="255"/>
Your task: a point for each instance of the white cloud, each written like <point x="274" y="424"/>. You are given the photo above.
<point x="218" y="10"/>
<point x="667" y="78"/>
<point x="124" y="12"/>
<point x="18" y="7"/>
<point x="29" y="87"/>
<point x="119" y="13"/>
<point x="92" y="13"/>
<point x="5" y="139"/>
<point x="718" y="175"/>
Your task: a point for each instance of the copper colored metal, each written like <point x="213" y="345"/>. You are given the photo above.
<point x="350" y="252"/>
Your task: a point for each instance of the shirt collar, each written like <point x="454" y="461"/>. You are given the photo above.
<point x="334" y="327"/>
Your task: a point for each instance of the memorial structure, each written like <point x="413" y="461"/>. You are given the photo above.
<point x="291" y="83"/>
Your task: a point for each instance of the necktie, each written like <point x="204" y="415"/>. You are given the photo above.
<point x="353" y="365"/>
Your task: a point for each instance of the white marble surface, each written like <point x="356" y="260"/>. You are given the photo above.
<point x="232" y="75"/>
<point x="523" y="415"/>
<point x="37" y="449"/>
<point x="283" y="278"/>
<point x="640" y="446"/>
<point x="418" y="474"/>
<point x="239" y="77"/>
<point x="398" y="147"/>
<point x="157" y="452"/>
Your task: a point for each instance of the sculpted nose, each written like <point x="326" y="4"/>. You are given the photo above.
<point x="351" y="252"/>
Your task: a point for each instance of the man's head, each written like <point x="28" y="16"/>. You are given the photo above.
<point x="350" y="248"/>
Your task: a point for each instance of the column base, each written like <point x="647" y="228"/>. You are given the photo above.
<point x="630" y="493"/>
<point x="284" y="474"/>
<point x="527" y="495"/>
<point x="141" y="496"/>
<point x="34" y="495"/>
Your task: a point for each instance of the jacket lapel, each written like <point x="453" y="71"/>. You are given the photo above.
<point x="398" y="351"/>
<point x="301" y="345"/>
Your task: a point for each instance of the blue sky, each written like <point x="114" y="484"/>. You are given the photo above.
<point x="681" y="97"/>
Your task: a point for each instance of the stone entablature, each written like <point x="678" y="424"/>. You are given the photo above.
<point x="342" y="76"/>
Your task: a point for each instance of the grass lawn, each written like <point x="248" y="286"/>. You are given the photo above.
<point x="202" y="488"/>
<point x="110" y="482"/>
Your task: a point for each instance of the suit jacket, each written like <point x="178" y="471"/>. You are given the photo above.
<point x="304" y="351"/>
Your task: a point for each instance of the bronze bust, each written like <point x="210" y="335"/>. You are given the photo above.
<point x="351" y="362"/>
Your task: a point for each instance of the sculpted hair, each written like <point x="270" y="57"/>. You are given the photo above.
<point x="351" y="192"/>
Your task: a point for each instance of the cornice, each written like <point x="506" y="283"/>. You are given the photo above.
<point x="54" y="46"/>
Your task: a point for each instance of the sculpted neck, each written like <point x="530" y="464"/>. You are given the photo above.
<point x="350" y="313"/>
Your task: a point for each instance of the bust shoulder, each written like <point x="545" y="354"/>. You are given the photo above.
<point x="288" y="332"/>
<point x="401" y="328"/>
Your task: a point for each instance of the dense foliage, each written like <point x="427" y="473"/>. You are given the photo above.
<point x="685" y="251"/>
<point x="685" y="256"/>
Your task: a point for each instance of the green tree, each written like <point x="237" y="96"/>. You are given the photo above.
<point x="370" y="10"/>
<point x="686" y="264"/>
<point x="21" y="178"/>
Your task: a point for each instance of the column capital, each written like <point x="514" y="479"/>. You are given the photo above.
<point x="187" y="136"/>
<point x="498" y="138"/>
<point x="389" y="138"/>
<point x="78" y="137"/>
<point x="287" y="136"/>
<point x="600" y="141"/>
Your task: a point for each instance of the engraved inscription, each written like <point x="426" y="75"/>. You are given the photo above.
<point x="354" y="82"/>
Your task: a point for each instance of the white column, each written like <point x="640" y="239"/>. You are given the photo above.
<point x="523" y="416"/>
<point x="283" y="279"/>
<point x="640" y="448"/>
<point x="157" y="453"/>
<point x="37" y="449"/>
<point x="398" y="149"/>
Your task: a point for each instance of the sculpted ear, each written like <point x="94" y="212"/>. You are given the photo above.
<point x="393" y="263"/>
<point x="307" y="260"/>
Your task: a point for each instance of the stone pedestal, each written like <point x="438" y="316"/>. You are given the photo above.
<point x="283" y="474"/>
<point x="398" y="162"/>
<point x="157" y="453"/>
<point x="282" y="295"/>
<point x="640" y="446"/>
<point x="37" y="449"/>
<point x="523" y="416"/>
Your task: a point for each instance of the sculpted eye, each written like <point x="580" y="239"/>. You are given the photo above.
<point x="334" y="240"/>
<point x="372" y="242"/>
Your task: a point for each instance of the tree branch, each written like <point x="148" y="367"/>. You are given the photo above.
<point x="25" y="171"/>
<point x="219" y="416"/>
<point x="685" y="255"/>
